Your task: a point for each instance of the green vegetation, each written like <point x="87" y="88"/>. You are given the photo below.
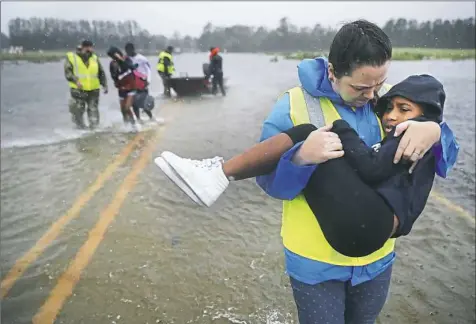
<point x="399" y="54"/>
<point x="407" y="54"/>
<point x="415" y="54"/>
<point x="303" y="55"/>
<point x="52" y="34"/>
<point x="34" y="57"/>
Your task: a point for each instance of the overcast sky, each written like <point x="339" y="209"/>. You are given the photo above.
<point x="190" y="17"/>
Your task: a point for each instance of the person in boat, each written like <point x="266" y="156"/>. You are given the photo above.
<point x="327" y="285"/>
<point x="216" y="70"/>
<point x="141" y="99"/>
<point x="85" y="76"/>
<point x="127" y="80"/>
<point x="389" y="199"/>
<point x="165" y="67"/>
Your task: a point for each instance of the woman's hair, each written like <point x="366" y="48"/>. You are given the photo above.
<point x="357" y="44"/>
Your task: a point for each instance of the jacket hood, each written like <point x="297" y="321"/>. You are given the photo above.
<point x="424" y="90"/>
<point x="112" y="51"/>
<point x="313" y="76"/>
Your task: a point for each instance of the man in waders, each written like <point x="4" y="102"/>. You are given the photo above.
<point x="85" y="76"/>
<point x="166" y="68"/>
<point x="216" y="70"/>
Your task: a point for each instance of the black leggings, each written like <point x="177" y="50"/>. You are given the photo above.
<point x="354" y="218"/>
<point x="139" y="100"/>
<point x="137" y="112"/>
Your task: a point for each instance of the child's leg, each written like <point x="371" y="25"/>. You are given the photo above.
<point x="136" y="111"/>
<point x="263" y="157"/>
<point x="259" y="159"/>
<point x="126" y="104"/>
<point x="209" y="178"/>
<point x="148" y="113"/>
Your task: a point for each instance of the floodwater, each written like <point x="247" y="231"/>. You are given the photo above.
<point x="162" y="259"/>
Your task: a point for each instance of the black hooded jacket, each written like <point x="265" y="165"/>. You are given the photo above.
<point x="216" y="65"/>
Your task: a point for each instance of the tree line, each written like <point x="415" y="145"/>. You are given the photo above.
<point x="58" y="34"/>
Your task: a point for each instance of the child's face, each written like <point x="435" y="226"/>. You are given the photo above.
<point x="399" y="110"/>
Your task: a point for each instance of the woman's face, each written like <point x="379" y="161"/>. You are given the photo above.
<point x="360" y="87"/>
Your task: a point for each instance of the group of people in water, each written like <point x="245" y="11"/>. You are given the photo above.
<point x="353" y="159"/>
<point x="131" y="73"/>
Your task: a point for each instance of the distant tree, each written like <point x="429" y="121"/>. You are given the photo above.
<point x="58" y="34"/>
<point x="4" y="41"/>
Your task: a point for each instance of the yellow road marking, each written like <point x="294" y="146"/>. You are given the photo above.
<point x="444" y="201"/>
<point x="68" y="280"/>
<point x="29" y="257"/>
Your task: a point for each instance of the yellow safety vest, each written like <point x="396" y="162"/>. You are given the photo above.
<point x="300" y="230"/>
<point x="160" y="64"/>
<point x="87" y="75"/>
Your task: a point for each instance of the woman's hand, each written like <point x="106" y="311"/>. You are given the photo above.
<point x="321" y="145"/>
<point x="418" y="139"/>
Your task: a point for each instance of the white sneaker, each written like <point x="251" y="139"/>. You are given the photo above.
<point x="171" y="174"/>
<point x="205" y="177"/>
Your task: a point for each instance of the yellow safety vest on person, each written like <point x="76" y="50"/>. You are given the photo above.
<point x="300" y="230"/>
<point x="160" y="64"/>
<point x="87" y="75"/>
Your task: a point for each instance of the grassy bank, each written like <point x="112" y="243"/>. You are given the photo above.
<point x="34" y="57"/>
<point x="407" y="54"/>
<point x="415" y="54"/>
<point x="399" y="54"/>
<point x="47" y="56"/>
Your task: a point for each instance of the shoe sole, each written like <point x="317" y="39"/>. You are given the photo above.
<point x="175" y="178"/>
